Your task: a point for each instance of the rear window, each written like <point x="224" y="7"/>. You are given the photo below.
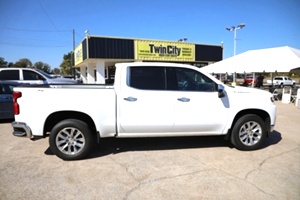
<point x="147" y="78"/>
<point x="10" y="75"/>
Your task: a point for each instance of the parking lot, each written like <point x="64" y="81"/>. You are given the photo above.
<point x="157" y="168"/>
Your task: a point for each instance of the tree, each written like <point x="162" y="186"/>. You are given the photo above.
<point x="10" y="64"/>
<point x="65" y="66"/>
<point x="3" y="63"/>
<point x="23" y="62"/>
<point x="55" y="71"/>
<point x="42" y="66"/>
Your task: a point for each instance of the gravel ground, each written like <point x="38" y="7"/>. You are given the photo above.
<point x="157" y="168"/>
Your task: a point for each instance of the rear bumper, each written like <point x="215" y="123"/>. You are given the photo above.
<point x="21" y="130"/>
<point x="272" y="128"/>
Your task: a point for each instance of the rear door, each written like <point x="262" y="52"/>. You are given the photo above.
<point x="145" y="107"/>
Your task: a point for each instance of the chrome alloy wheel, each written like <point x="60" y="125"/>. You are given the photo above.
<point x="250" y="133"/>
<point x="70" y="141"/>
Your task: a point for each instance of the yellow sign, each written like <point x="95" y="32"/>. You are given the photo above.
<point x="78" y="57"/>
<point x="164" y="51"/>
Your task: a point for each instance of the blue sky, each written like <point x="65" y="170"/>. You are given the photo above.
<point x="41" y="30"/>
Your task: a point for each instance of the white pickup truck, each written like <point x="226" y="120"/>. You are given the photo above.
<point x="146" y="100"/>
<point x="280" y="81"/>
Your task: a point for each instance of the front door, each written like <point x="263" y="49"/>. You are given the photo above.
<point x="198" y="108"/>
<point x="31" y="77"/>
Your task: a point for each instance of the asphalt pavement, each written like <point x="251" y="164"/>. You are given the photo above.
<point x="157" y="168"/>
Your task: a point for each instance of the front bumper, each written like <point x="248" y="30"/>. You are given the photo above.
<point x="21" y="130"/>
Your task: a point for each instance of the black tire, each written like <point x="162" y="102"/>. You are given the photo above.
<point x="71" y="139"/>
<point x="248" y="133"/>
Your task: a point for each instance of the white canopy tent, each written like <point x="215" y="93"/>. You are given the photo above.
<point x="280" y="59"/>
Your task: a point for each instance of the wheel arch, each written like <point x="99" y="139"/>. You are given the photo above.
<point x="57" y="117"/>
<point x="260" y="113"/>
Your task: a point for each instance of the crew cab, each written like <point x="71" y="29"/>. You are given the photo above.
<point x="281" y="81"/>
<point x="146" y="100"/>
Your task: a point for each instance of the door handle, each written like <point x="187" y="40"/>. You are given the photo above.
<point x="183" y="99"/>
<point x="130" y="99"/>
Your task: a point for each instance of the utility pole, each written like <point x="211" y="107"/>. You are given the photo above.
<point x="72" y="55"/>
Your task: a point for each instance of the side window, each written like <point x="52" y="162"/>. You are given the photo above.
<point x="10" y="75"/>
<point x="147" y="78"/>
<point x="30" y="75"/>
<point x="190" y="80"/>
<point x="6" y="89"/>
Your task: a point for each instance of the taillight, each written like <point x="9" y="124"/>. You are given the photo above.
<point x="16" y="95"/>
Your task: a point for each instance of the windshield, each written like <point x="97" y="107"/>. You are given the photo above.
<point x="45" y="74"/>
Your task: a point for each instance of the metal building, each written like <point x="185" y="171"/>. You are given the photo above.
<point x="97" y="55"/>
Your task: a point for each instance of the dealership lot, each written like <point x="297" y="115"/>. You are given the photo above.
<point x="157" y="168"/>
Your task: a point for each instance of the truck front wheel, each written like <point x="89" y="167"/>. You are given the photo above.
<point x="248" y="133"/>
<point x="71" y="139"/>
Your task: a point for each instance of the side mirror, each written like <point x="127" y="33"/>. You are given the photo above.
<point x="221" y="91"/>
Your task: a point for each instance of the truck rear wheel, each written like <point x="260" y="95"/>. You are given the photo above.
<point x="71" y="139"/>
<point x="248" y="133"/>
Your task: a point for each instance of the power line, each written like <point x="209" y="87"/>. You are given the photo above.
<point x="43" y="31"/>
<point x="32" y="30"/>
<point x="20" y="44"/>
<point x="29" y="39"/>
<point x="47" y="15"/>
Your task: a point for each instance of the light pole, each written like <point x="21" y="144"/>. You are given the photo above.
<point x="234" y="29"/>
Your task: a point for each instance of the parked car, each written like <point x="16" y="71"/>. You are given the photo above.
<point x="6" y="99"/>
<point x="31" y="76"/>
<point x="67" y="76"/>
<point x="249" y="79"/>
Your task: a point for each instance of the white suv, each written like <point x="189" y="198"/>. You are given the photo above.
<point x="31" y="76"/>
